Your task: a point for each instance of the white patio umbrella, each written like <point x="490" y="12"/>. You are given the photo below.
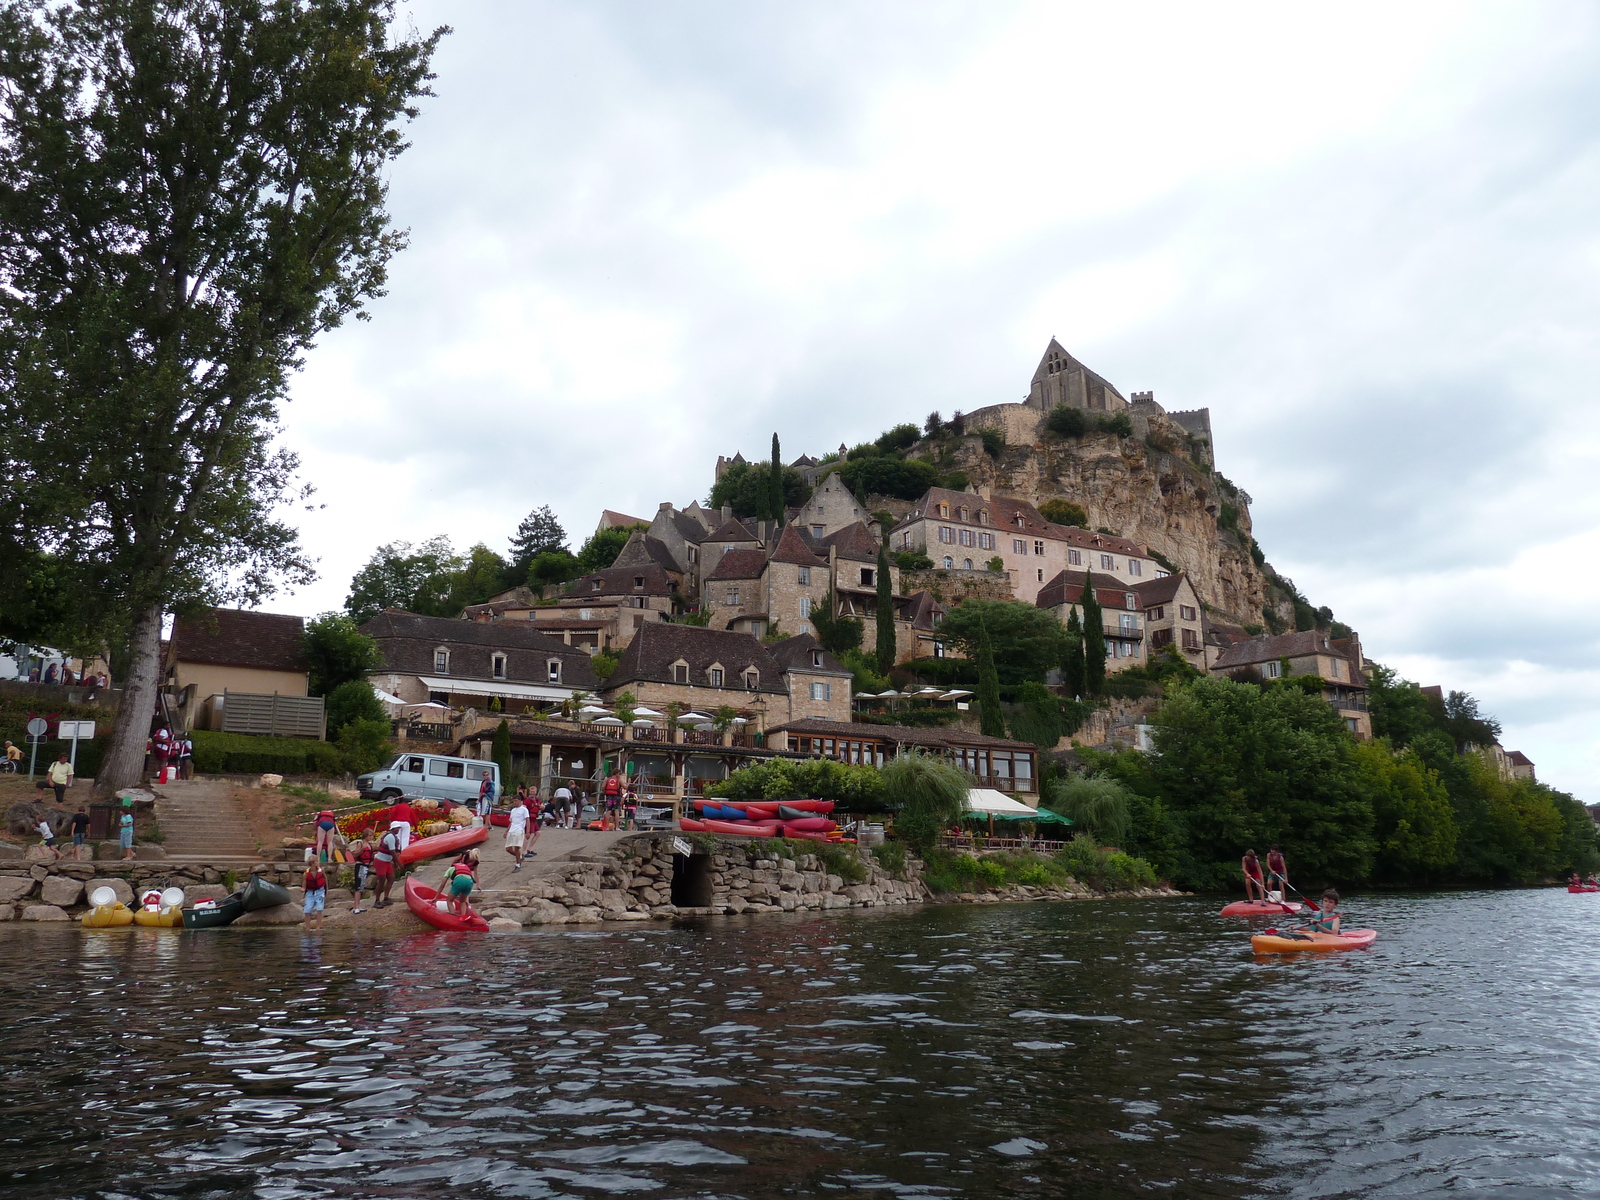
<point x="865" y="696"/>
<point x="956" y="693"/>
<point x="693" y="716"/>
<point x="607" y="721"/>
<point x="594" y="710"/>
<point x="647" y="712"/>
<point x="928" y="691"/>
<point x="706" y="727"/>
<point x="642" y="723"/>
<point x="891" y="694"/>
<point x="741" y="721"/>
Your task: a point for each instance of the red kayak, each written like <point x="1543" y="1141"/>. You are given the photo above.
<point x="443" y="843"/>
<point x="747" y="828"/>
<point x="811" y="825"/>
<point x="1581" y="887"/>
<point x="690" y="825"/>
<point x="424" y="902"/>
<point x="1260" y="908"/>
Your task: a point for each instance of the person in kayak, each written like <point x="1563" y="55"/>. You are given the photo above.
<point x="1254" y="889"/>
<point x="1277" y="872"/>
<point x="1328" y="920"/>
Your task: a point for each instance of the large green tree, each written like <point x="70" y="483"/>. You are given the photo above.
<point x="1026" y="640"/>
<point x="775" y="489"/>
<point x="419" y="579"/>
<point x="1094" y="640"/>
<point x="1072" y="665"/>
<point x="885" y="612"/>
<point x="190" y="192"/>
<point x="881" y="475"/>
<point x="539" y="533"/>
<point x="991" y="720"/>
<point x="338" y="652"/>
<point x="603" y="546"/>
<point x="748" y="488"/>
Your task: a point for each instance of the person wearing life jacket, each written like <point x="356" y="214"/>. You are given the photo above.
<point x="1277" y="872"/>
<point x="459" y="881"/>
<point x="325" y="827"/>
<point x="1254" y="889"/>
<point x="1328" y="919"/>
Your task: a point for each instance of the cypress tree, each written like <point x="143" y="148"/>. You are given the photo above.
<point x="775" y="484"/>
<point x="885" y="613"/>
<point x="990" y="719"/>
<point x="1072" y="656"/>
<point x="502" y="752"/>
<point x="1094" y="640"/>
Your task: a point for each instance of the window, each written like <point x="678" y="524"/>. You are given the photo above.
<point x="1186" y="612"/>
<point x="1018" y="546"/>
<point x="805" y="577"/>
<point x="1127" y="622"/>
<point x="1158" y="613"/>
<point x="1041" y="574"/>
<point x="967" y="538"/>
<point x="445" y="768"/>
<point x="983" y="516"/>
<point x="414" y="765"/>
<point x="944" y="510"/>
<point x="555" y="670"/>
<point x="1133" y="567"/>
<point x="1191" y="640"/>
<point x="816" y="658"/>
<point x="1038" y="548"/>
<point x="964" y="513"/>
<point x="866" y="577"/>
<point x="949" y="562"/>
<point x="1333" y="668"/>
<point x="966" y="564"/>
<point x="497" y="666"/>
<point x="680" y="672"/>
<point x="820" y="509"/>
<point x="733" y="595"/>
<point x="938" y="649"/>
<point x="441" y="660"/>
<point x="1108" y="563"/>
<point x="584" y="614"/>
<point x="986" y="541"/>
<point x="638" y="583"/>
<point x="1272" y="670"/>
<point x="819" y="531"/>
<point x="752" y="680"/>
<point x="438" y="697"/>
<point x="1130" y="600"/>
<point x="946" y="534"/>
<point x="595" y="585"/>
<point x="1074" y="558"/>
<point x="1160" y="574"/>
<point x="822" y="691"/>
<point x="1352" y="725"/>
<point x="805" y="606"/>
<point x="715" y="675"/>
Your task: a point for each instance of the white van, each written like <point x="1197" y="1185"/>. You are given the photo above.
<point x="429" y="777"/>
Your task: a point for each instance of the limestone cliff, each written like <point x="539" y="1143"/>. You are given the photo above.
<point x="1155" y="488"/>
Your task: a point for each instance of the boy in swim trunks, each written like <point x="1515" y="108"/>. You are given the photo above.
<point x="1254" y="889"/>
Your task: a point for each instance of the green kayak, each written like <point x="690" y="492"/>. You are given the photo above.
<point x="263" y="893"/>
<point x="228" y="910"/>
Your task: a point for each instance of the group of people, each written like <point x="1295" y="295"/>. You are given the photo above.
<point x="167" y="748"/>
<point x="1277" y="878"/>
<point x="375" y="858"/>
<point x="78" y="829"/>
<point x="61" y="673"/>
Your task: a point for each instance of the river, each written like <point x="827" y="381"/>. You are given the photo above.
<point x="1101" y="1049"/>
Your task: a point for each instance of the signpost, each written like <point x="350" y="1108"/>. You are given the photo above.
<point x="679" y="846"/>
<point x="37" y="728"/>
<point x="75" y="730"/>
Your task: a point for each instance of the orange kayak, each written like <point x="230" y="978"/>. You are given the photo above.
<point x="1278" y="943"/>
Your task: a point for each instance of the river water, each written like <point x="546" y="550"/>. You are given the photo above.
<point x="1055" y="1050"/>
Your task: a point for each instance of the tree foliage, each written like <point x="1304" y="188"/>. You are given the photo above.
<point x="1064" y="512"/>
<point x="748" y="488"/>
<point x="601" y="548"/>
<point x="991" y="721"/>
<point x="776" y="493"/>
<point x="1094" y="640"/>
<point x="854" y="788"/>
<point x="1025" y="639"/>
<point x="1098" y="804"/>
<point x="884" y="613"/>
<point x="1072" y="664"/>
<point x="882" y="475"/>
<point x="836" y="634"/>
<point x="418" y="579"/>
<point x="353" y="700"/>
<point x="926" y="794"/>
<point x="338" y="652"/>
<point x="190" y="193"/>
<point x="539" y="533"/>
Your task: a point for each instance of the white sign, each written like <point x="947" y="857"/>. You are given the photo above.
<point x="679" y="846"/>
<point x="83" y="730"/>
<point x="38" y="727"/>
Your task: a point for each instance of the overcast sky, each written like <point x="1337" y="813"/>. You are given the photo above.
<point x="1365" y="236"/>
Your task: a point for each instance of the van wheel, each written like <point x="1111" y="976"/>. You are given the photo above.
<point x="389" y="795"/>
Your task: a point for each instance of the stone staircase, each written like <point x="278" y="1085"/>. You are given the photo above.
<point x="201" y="820"/>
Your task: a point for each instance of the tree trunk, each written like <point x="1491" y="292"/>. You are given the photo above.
<point x="123" y="765"/>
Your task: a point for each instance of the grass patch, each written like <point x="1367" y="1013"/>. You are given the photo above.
<point x="891" y="857"/>
<point x="842" y="861"/>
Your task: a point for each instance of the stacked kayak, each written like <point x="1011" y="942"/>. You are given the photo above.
<point x="430" y="906"/>
<point x="1294" y="942"/>
<point x="443" y="843"/>
<point x="1260" y="908"/>
<point x="805" y="819"/>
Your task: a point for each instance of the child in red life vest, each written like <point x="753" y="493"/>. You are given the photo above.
<point x="316" y="901"/>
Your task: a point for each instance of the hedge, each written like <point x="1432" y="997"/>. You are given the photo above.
<point x="245" y="754"/>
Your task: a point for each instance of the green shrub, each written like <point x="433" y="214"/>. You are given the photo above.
<point x="891" y="857"/>
<point x="1118" y="424"/>
<point x="1061" y="511"/>
<point x="956" y="481"/>
<point x="913" y="560"/>
<point x="353" y="701"/>
<point x="365" y="746"/>
<point x="993" y="442"/>
<point x="1067" y="422"/>
<point x="843" y="861"/>
<point x="1104" y="870"/>
<point x="247" y="754"/>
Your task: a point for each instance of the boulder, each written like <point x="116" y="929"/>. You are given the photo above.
<point x="61" y="891"/>
<point x="10" y="850"/>
<point x="14" y="887"/>
<point x="137" y="795"/>
<point x="121" y="887"/>
<point x="202" y="891"/>
<point x="44" y="912"/>
<point x="505" y="925"/>
<point x="543" y="912"/>
<point x="146" y="851"/>
<point x="270" y="780"/>
<point x="584" y="914"/>
<point x="281" y="914"/>
<point x="75" y="869"/>
<point x="7" y="913"/>
<point x="22" y="818"/>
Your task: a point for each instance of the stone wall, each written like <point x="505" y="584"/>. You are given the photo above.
<point x="634" y="883"/>
<point x="35" y="889"/>
<point x="952" y="586"/>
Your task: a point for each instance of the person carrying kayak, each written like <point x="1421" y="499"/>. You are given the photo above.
<point x="458" y="882"/>
<point x="1277" y="872"/>
<point x="1254" y="889"/>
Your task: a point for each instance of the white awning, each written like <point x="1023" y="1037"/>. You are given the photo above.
<point x="484" y="687"/>
<point x="386" y="697"/>
<point x="987" y="800"/>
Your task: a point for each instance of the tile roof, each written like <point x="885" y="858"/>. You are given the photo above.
<point x="732" y="530"/>
<point x="689" y="529"/>
<point x="1067" y="588"/>
<point x="1108" y="542"/>
<point x="611" y="519"/>
<point x="1268" y="649"/>
<point x="855" y="542"/>
<point x="795" y="654"/>
<point x="622" y="581"/>
<point x="740" y="564"/>
<point x="407" y="642"/>
<point x="1006" y="514"/>
<point x="1160" y="591"/>
<point x="656" y="646"/>
<point x="230" y="637"/>
<point x="921" y="609"/>
<point x="641" y="548"/>
<point x="1518" y="759"/>
<point x="901" y="734"/>
<point x="792" y="548"/>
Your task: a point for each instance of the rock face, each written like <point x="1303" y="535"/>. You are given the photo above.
<point x="44" y="912"/>
<point x="1155" y="488"/>
<point x="15" y="887"/>
<point x="281" y="914"/>
<point x="62" y="891"/>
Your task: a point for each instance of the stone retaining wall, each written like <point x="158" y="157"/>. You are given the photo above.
<point x="48" y="891"/>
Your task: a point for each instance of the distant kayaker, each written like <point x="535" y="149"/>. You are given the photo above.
<point x="1253" y="887"/>
<point x="1328" y="920"/>
<point x="1277" y="872"/>
<point x="315" y="882"/>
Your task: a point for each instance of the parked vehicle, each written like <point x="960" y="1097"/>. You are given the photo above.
<point x="431" y="776"/>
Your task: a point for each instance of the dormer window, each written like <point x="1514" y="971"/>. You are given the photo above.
<point x="441" y="659"/>
<point x="1018" y="520"/>
<point x="752" y="680"/>
<point x="596" y="585"/>
<point x="1132" y="600"/>
<point x="497" y="666"/>
<point x="964" y="513"/>
<point x="555" y="670"/>
<point x="714" y="677"/>
<point x="816" y="658"/>
<point x="680" y="672"/>
<point x="638" y="583"/>
<point x="944" y="510"/>
<point x="983" y="516"/>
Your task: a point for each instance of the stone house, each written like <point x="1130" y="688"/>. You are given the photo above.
<point x="615" y="520"/>
<point x="1122" y="614"/>
<point x="735" y="593"/>
<point x="223" y="650"/>
<point x="731" y="534"/>
<point x="833" y="508"/>
<point x="1001" y="763"/>
<point x="1309" y="652"/>
<point x="704" y="669"/>
<point x="1521" y="765"/>
<point x="472" y="663"/>
<point x="964" y="531"/>
<point x="1173" y="616"/>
